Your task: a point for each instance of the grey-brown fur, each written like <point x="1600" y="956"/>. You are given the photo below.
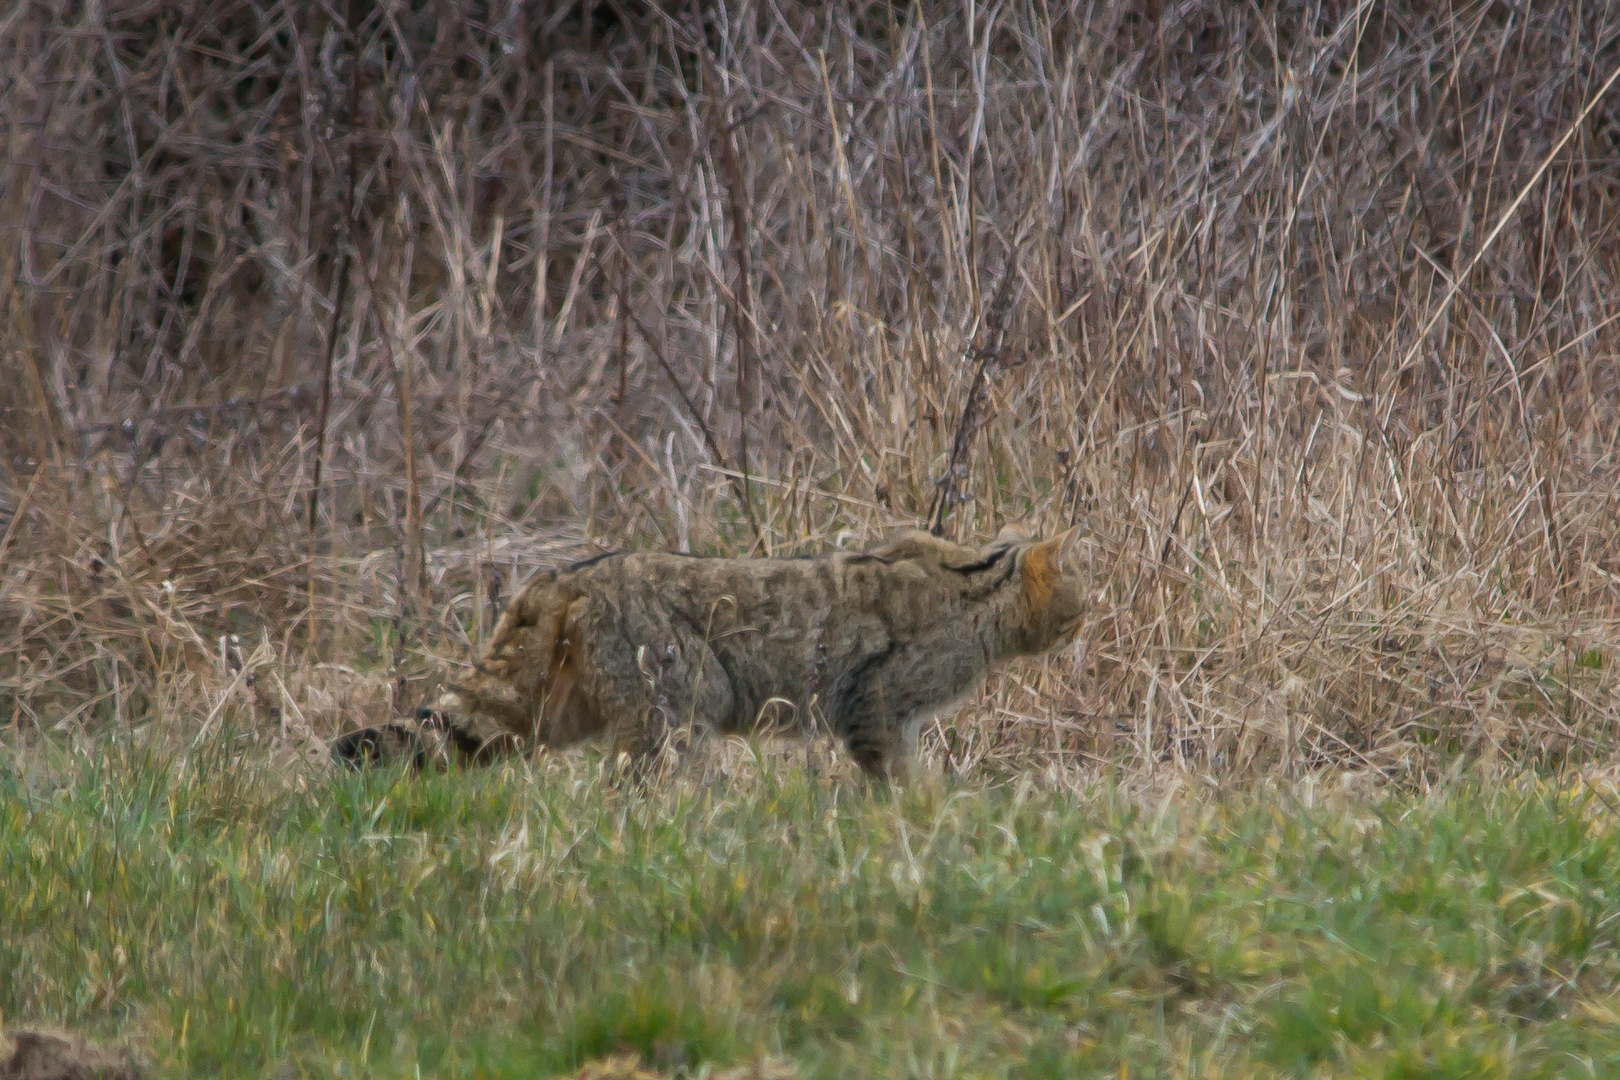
<point x="34" y="1054"/>
<point x="868" y="645"/>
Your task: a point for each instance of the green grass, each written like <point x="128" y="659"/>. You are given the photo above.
<point x="238" y="920"/>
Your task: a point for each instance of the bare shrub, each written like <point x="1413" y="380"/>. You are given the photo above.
<point x="1313" y="325"/>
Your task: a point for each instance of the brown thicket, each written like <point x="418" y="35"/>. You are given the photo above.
<point x="1311" y="320"/>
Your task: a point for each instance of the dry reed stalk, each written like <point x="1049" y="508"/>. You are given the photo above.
<point x="723" y="132"/>
<point x="344" y="241"/>
<point x="987" y="352"/>
<point x="691" y="406"/>
<point x="1318" y="344"/>
<point x="399" y="366"/>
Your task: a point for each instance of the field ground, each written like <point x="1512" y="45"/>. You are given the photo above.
<point x="232" y="916"/>
<point x="322" y="331"/>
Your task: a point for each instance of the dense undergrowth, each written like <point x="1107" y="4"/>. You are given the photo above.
<point x="1305" y="311"/>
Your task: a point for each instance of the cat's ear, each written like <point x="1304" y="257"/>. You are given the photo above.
<point x="1014" y="532"/>
<point x="1057" y="550"/>
<point x="1070" y="540"/>
<point x="1043" y="567"/>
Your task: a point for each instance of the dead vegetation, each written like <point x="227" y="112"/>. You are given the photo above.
<point x="1309" y="315"/>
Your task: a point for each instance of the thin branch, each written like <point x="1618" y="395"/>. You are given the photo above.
<point x="987" y="351"/>
<point x="345" y="243"/>
<point x="691" y="407"/>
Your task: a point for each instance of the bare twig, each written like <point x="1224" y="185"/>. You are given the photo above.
<point x="1505" y="217"/>
<point x="723" y="133"/>
<point x="342" y="271"/>
<point x="692" y="410"/>
<point x="987" y="352"/>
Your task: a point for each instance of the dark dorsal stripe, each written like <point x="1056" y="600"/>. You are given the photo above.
<point x="983" y="564"/>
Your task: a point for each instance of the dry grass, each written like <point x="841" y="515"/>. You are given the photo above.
<point x="1309" y="315"/>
